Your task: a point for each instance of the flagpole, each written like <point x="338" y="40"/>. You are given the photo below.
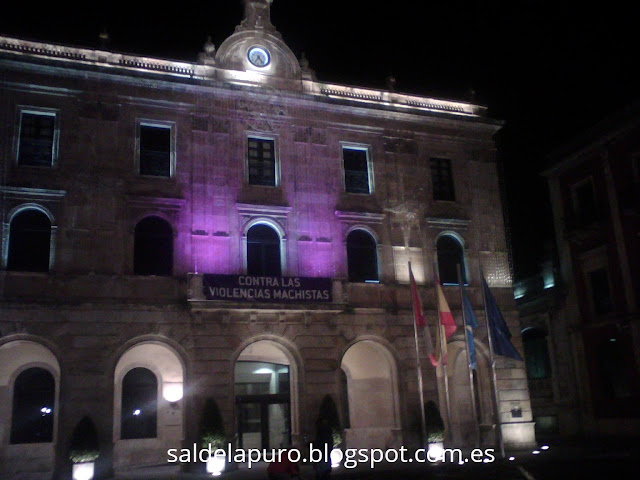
<point x="492" y="360"/>
<point x="442" y="336"/>
<point x="472" y="393"/>
<point x="423" y="423"/>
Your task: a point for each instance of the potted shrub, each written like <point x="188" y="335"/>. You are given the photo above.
<point x="329" y="412"/>
<point x="213" y="438"/>
<point x="84" y="450"/>
<point x="435" y="430"/>
<point x="336" y="453"/>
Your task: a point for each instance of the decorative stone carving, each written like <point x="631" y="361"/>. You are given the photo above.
<point x="257" y="16"/>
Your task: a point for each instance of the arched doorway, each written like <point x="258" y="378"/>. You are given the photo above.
<point x="265" y="379"/>
<point x="466" y="424"/>
<point x="372" y="396"/>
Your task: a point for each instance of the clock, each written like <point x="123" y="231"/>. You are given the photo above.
<point x="258" y="56"/>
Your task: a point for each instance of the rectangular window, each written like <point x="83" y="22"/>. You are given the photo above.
<point x="261" y="162"/>
<point x="584" y="202"/>
<point x="600" y="291"/>
<point x="442" y="179"/>
<point x="156" y="151"/>
<point x="356" y="170"/>
<point x="38" y="138"/>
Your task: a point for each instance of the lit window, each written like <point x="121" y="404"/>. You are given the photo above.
<point x="38" y="143"/>
<point x="33" y="407"/>
<point x="29" y="242"/>
<point x="263" y="251"/>
<point x="450" y="255"/>
<point x="442" y="179"/>
<point x="155" y="150"/>
<point x="356" y="170"/>
<point x="153" y="247"/>
<point x="139" y="404"/>
<point x="536" y="353"/>
<point x="261" y="162"/>
<point x="362" y="257"/>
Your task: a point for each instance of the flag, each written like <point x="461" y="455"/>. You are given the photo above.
<point x="471" y="323"/>
<point x="500" y="335"/>
<point x="446" y="326"/>
<point x="418" y="314"/>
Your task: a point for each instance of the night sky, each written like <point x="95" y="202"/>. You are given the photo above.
<point x="548" y="69"/>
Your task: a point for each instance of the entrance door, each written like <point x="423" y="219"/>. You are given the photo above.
<point x="263" y="408"/>
<point x="263" y="421"/>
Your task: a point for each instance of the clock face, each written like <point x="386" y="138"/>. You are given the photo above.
<point x="259" y="56"/>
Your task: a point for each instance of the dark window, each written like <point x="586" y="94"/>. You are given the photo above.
<point x="29" y="242"/>
<point x="153" y="247"/>
<point x="600" y="293"/>
<point x="263" y="251"/>
<point x="442" y="179"/>
<point x="450" y="255"/>
<point x="33" y="407"/>
<point x="262" y="162"/>
<point x="356" y="170"/>
<point x="37" y="139"/>
<point x="616" y="362"/>
<point x="362" y="257"/>
<point x="536" y="353"/>
<point x="155" y="151"/>
<point x="139" y="404"/>
<point x="585" y="203"/>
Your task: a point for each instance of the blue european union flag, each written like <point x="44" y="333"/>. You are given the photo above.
<point x="500" y="334"/>
<point x="472" y="323"/>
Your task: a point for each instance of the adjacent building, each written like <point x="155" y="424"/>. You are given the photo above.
<point x="592" y="323"/>
<point x="235" y="231"/>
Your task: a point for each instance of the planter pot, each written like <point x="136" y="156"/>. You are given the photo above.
<point x="82" y="471"/>
<point x="216" y="464"/>
<point x="336" y="456"/>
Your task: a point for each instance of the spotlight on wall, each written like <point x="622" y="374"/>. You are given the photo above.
<point x="172" y="391"/>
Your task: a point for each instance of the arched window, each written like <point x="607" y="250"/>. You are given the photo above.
<point x="263" y="251"/>
<point x="153" y="247"/>
<point x="34" y="394"/>
<point x="139" y="404"/>
<point x="29" y="242"/>
<point x="450" y="255"/>
<point x="362" y="257"/>
<point x="536" y="353"/>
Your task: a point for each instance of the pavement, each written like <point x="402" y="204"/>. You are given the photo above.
<point x="560" y="460"/>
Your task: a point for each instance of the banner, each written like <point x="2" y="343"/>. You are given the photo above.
<point x="251" y="288"/>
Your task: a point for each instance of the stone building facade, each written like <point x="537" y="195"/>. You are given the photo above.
<point x="148" y="206"/>
<point x="592" y="320"/>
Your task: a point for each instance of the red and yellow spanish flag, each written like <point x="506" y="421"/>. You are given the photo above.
<point x="418" y="314"/>
<point x="447" y="327"/>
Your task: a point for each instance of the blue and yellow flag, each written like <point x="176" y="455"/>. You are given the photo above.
<point x="471" y="324"/>
<point x="500" y="334"/>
